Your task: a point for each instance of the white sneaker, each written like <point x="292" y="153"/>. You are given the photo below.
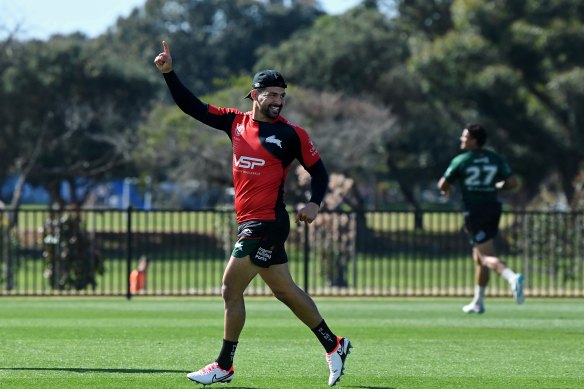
<point x="211" y="374"/>
<point x="336" y="360"/>
<point x="517" y="288"/>
<point x="474" y="307"/>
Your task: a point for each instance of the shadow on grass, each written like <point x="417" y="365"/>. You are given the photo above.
<point x="92" y="370"/>
<point x="373" y="387"/>
<point x="145" y="371"/>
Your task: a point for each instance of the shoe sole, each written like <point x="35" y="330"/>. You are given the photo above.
<point x="474" y="311"/>
<point x="227" y="380"/>
<point x="216" y="382"/>
<point x="349" y="347"/>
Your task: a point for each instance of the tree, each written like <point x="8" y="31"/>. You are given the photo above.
<point x="211" y="39"/>
<point x="69" y="112"/>
<point x="9" y="55"/>
<point x="343" y="53"/>
<point x="515" y="66"/>
<point x="349" y="132"/>
<point x="369" y="62"/>
<point x="518" y="65"/>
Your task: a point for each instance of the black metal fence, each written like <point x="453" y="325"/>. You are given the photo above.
<point x="100" y="253"/>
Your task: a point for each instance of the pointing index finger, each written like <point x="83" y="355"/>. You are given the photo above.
<point x="165" y="48"/>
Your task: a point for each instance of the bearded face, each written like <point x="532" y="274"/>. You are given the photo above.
<point x="270" y="102"/>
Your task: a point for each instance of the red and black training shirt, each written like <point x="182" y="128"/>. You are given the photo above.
<point x="262" y="154"/>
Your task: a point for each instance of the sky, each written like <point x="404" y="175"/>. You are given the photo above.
<point x="39" y="19"/>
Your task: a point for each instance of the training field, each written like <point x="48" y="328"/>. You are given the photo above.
<point x="398" y="343"/>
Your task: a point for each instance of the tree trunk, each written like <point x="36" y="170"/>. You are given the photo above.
<point x="407" y="191"/>
<point x="568" y="168"/>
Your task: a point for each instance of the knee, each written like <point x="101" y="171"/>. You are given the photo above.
<point x="229" y="294"/>
<point x="286" y="295"/>
<point x="280" y="294"/>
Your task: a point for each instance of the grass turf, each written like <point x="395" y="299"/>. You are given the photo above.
<point x="398" y="343"/>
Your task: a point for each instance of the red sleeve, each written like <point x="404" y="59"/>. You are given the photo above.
<point x="308" y="150"/>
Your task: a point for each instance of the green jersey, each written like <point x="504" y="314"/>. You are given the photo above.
<point x="477" y="172"/>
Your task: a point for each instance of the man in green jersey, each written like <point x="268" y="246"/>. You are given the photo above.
<point x="481" y="173"/>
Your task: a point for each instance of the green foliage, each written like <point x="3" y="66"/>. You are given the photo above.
<point x="558" y="245"/>
<point x="345" y="53"/>
<point x="507" y="60"/>
<point x="363" y="53"/>
<point x="424" y="17"/>
<point x="70" y="109"/>
<point x="172" y="146"/>
<point x="433" y="64"/>
<point x="210" y="39"/>
<point x="71" y="261"/>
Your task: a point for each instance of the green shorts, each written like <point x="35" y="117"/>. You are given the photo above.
<point x="263" y="241"/>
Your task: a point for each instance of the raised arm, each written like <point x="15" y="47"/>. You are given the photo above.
<point x="186" y="101"/>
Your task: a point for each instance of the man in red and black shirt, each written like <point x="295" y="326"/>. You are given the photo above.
<point x="264" y="147"/>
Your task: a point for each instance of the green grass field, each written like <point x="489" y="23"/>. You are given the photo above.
<point x="398" y="343"/>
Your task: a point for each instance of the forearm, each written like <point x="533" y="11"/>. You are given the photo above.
<point x="183" y="98"/>
<point x="444" y="186"/>
<point x="318" y="183"/>
<point x="508" y="184"/>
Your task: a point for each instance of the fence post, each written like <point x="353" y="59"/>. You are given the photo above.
<point x="306" y="256"/>
<point x="128" y="251"/>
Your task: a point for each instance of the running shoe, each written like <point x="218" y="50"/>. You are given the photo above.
<point x="517" y="288"/>
<point x="474" y="307"/>
<point x="211" y="374"/>
<point x="336" y="360"/>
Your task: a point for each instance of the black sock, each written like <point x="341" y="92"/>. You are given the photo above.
<point x="325" y="336"/>
<point x="225" y="358"/>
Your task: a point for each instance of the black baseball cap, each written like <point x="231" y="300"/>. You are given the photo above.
<point x="267" y="78"/>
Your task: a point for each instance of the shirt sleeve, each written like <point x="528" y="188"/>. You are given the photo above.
<point x="219" y="118"/>
<point x="452" y="173"/>
<point x="318" y="182"/>
<point x="184" y="98"/>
